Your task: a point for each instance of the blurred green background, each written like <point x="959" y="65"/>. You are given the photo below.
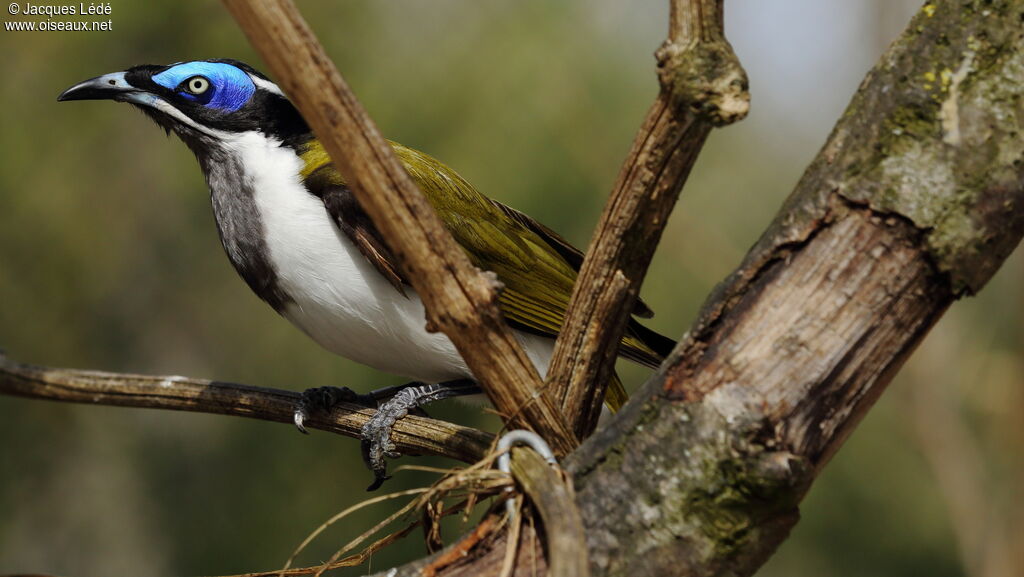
<point x="109" y="260"/>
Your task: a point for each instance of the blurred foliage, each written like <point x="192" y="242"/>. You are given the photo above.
<point x="109" y="259"/>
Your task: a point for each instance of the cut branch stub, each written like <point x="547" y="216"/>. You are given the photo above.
<point x="697" y="66"/>
<point x="705" y="78"/>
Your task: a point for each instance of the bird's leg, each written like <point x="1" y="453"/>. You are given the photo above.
<point x="323" y="399"/>
<point x="377" y="442"/>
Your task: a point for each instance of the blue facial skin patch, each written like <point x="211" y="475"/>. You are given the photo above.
<point x="230" y="88"/>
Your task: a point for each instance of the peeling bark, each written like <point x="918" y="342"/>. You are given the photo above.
<point x="914" y="201"/>
<point x="702" y="85"/>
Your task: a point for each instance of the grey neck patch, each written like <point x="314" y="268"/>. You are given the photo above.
<point x="240" y="226"/>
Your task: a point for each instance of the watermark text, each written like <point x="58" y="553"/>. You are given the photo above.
<point x="52" y="17"/>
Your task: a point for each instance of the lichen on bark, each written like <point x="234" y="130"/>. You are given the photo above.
<point x="914" y="200"/>
<point x="945" y="114"/>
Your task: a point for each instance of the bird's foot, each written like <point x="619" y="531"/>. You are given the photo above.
<point x="323" y="399"/>
<point x="377" y="443"/>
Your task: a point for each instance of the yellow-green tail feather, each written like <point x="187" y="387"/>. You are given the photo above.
<point x="616" y="395"/>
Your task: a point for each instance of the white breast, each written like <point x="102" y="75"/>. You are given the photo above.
<point x="338" y="298"/>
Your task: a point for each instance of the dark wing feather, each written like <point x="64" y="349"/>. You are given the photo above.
<point x="537" y="266"/>
<point x="357" y="226"/>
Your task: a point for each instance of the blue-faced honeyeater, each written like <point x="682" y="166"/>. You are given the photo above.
<point x="294" y="232"/>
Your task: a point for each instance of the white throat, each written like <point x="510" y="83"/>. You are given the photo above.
<point x="329" y="290"/>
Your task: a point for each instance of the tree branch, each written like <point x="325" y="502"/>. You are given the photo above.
<point x="459" y="299"/>
<point x="413" y="435"/>
<point x="702" y="85"/>
<point x="916" y="200"/>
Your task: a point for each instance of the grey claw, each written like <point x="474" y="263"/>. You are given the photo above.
<point x="375" y="462"/>
<point x="377" y="444"/>
<point x="377" y="482"/>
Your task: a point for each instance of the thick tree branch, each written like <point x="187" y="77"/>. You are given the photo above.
<point x="702" y="85"/>
<point x="916" y="200"/>
<point x="413" y="435"/>
<point x="460" y="300"/>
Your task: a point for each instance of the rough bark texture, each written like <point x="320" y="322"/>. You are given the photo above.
<point x="702" y="85"/>
<point x="413" y="435"/>
<point x="915" y="201"/>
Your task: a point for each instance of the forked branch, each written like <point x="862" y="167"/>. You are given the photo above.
<point x="702" y="85"/>
<point x="916" y="199"/>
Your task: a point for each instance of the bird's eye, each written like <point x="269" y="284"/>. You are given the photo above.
<point x="197" y="85"/>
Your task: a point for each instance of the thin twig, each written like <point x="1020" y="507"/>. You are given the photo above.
<point x="345" y="513"/>
<point x="478" y="478"/>
<point x="327" y="566"/>
<point x="461" y="549"/>
<point x="413" y="435"/>
<point x="459" y="299"/>
<point x="512" y="545"/>
<point x="350" y="561"/>
<point x="702" y="85"/>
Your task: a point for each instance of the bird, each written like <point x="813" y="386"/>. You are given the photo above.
<point x="295" y="233"/>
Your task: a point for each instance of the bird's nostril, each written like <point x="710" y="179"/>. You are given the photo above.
<point x="112" y="82"/>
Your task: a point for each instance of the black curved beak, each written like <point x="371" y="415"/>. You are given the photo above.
<point x="107" y="87"/>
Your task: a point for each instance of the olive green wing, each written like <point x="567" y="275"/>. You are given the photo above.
<point x="570" y="253"/>
<point x="537" y="267"/>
